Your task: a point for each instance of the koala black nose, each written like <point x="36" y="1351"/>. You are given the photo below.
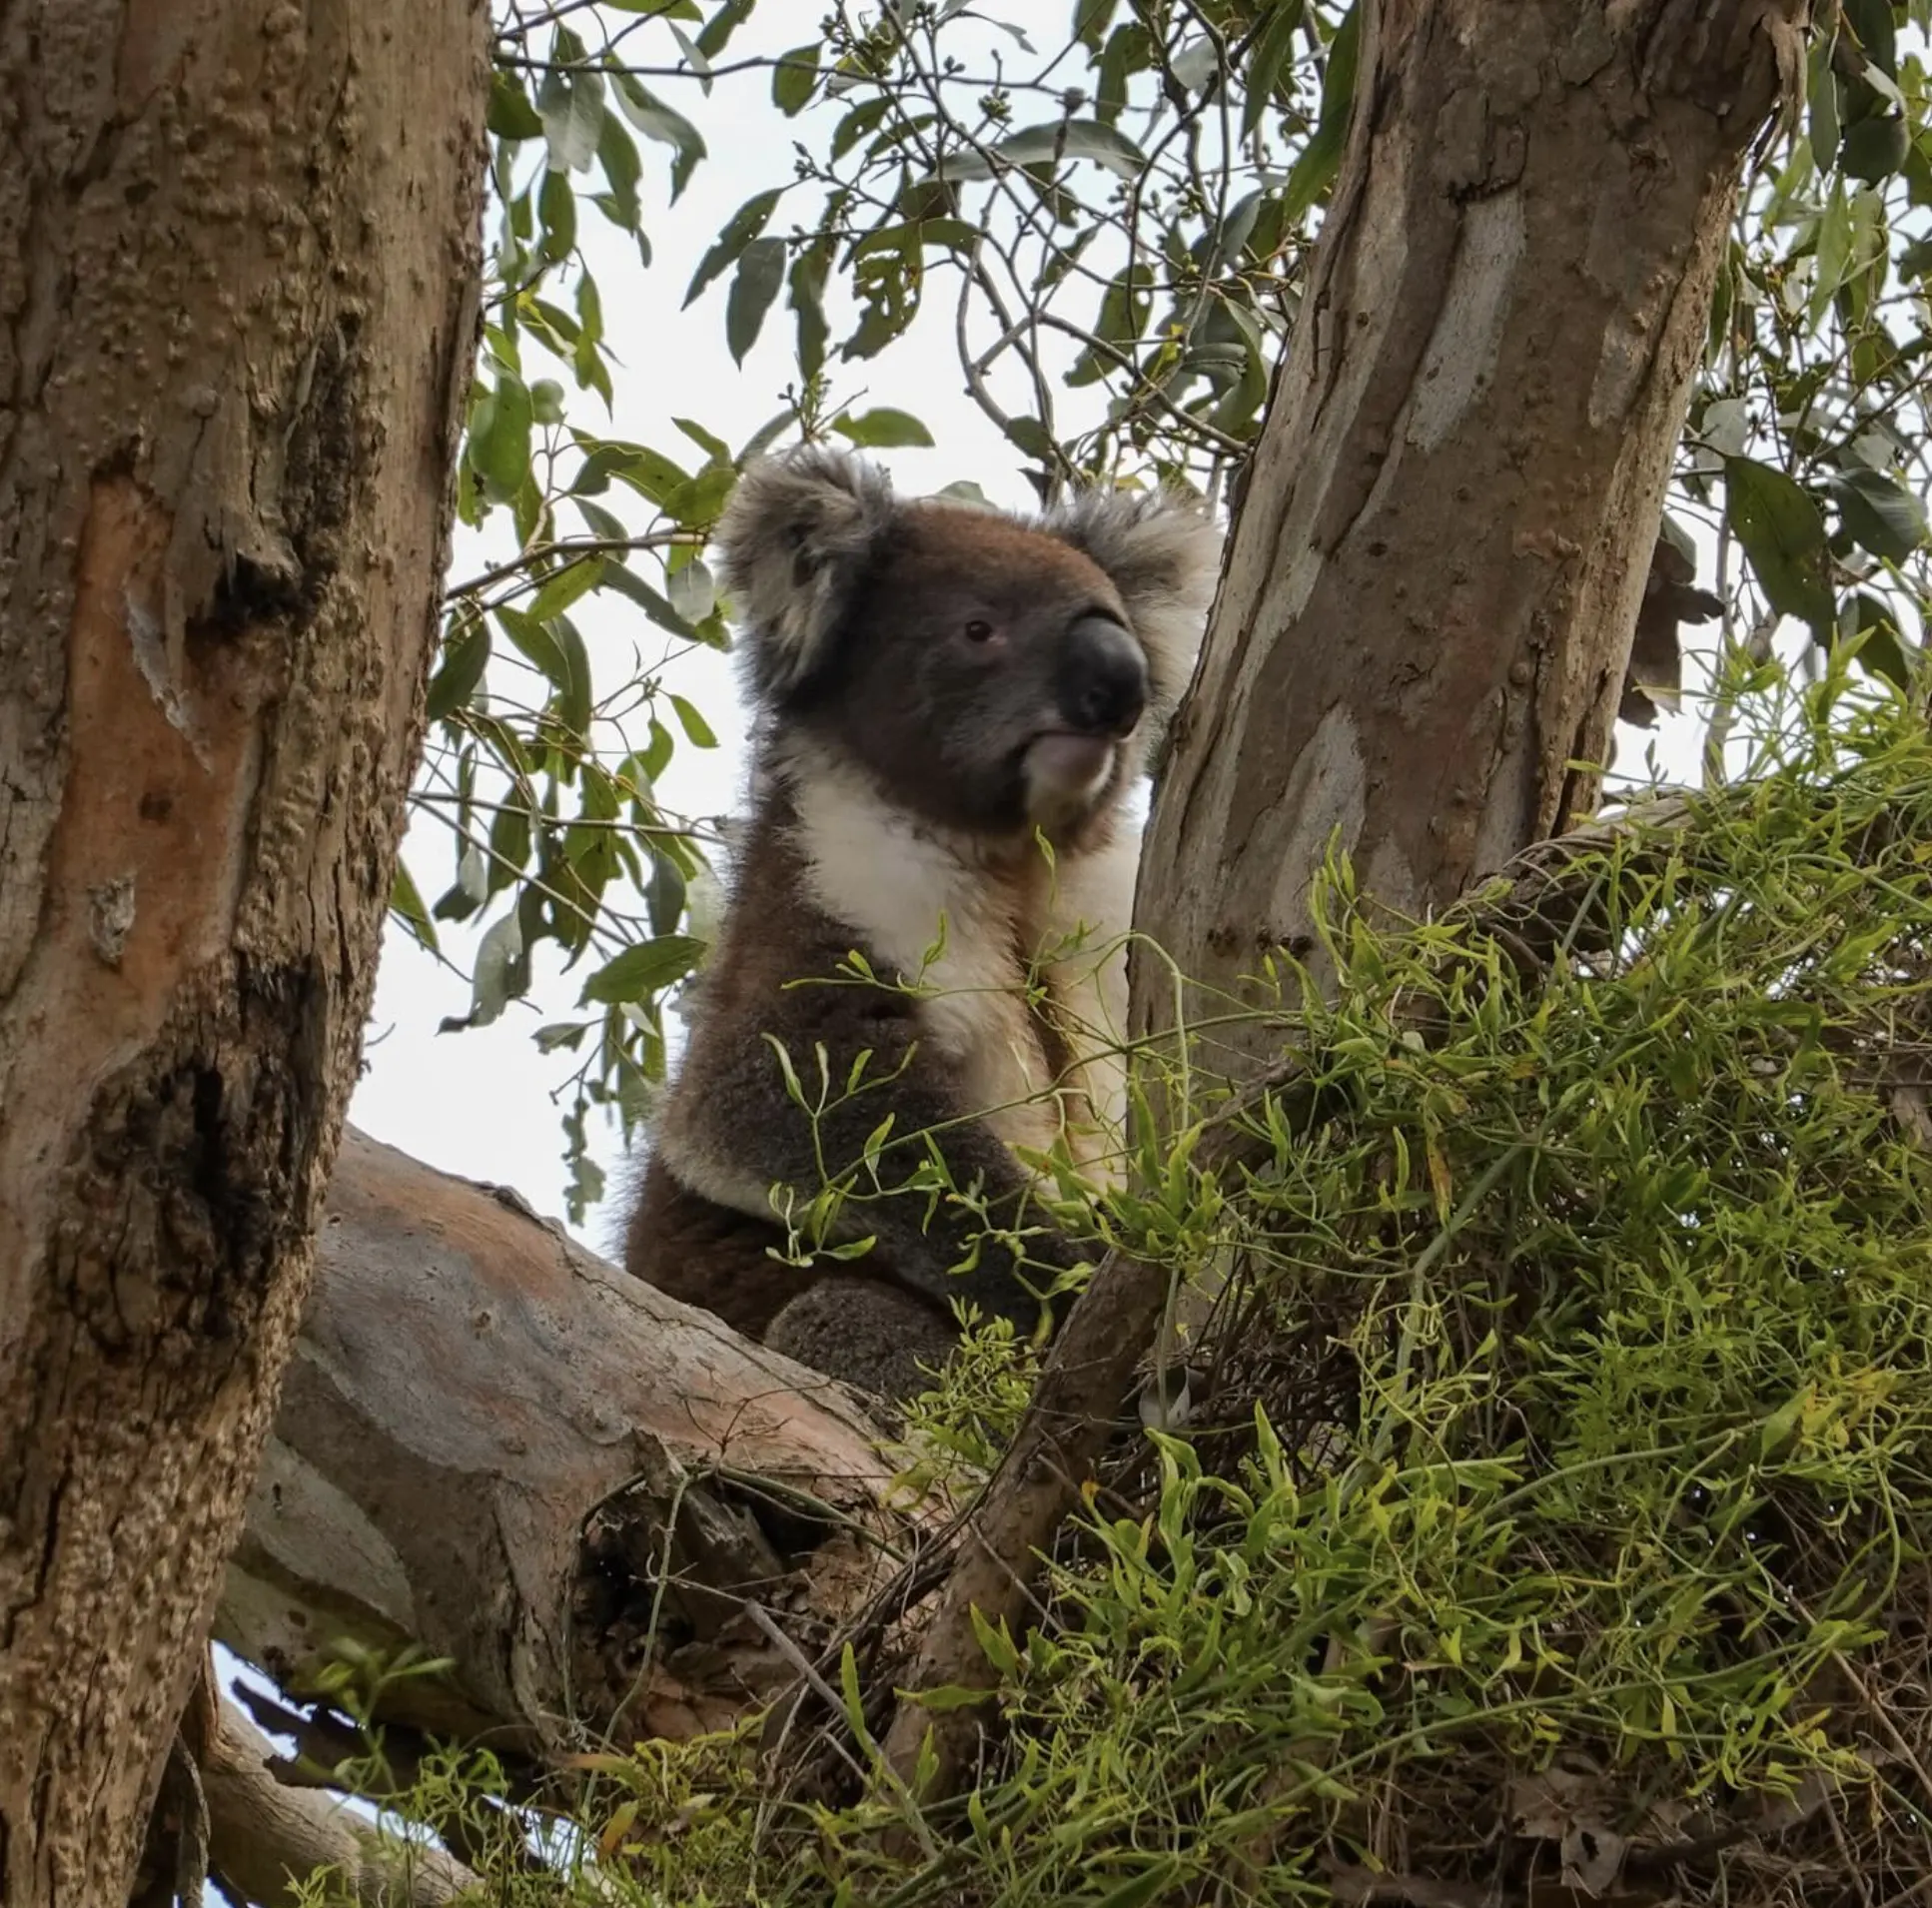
<point x="1102" y="686"/>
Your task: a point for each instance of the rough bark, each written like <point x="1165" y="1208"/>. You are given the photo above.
<point x="581" y="1492"/>
<point x="239" y="257"/>
<point x="1435" y="570"/>
<point x="1435" y="566"/>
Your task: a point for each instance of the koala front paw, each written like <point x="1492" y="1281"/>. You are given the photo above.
<point x="868" y="1334"/>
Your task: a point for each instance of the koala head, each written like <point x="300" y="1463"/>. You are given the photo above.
<point x="996" y="673"/>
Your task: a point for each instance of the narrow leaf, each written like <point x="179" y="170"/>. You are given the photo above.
<point x="761" y="272"/>
<point x="641" y="971"/>
<point x="884" y="429"/>
<point x="740" y="228"/>
<point x="793" y="78"/>
<point x="1781" y="531"/>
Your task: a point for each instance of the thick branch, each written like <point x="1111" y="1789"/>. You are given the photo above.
<point x="495" y="1447"/>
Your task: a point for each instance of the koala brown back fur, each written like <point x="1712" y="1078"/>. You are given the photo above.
<point x="938" y="687"/>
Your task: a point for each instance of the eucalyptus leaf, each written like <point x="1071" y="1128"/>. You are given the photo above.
<point x="884" y="429"/>
<point x="1777" y="523"/>
<point x="1880" y="514"/>
<point x="641" y="971"/>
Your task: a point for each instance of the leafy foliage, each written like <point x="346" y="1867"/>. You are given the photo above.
<point x="1558" y="1502"/>
<point x="1108" y="211"/>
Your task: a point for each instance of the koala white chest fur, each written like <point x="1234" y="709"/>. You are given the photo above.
<point x="955" y="705"/>
<point x="1019" y="963"/>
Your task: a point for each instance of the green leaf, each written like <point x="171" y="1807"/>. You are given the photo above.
<point x="605" y="525"/>
<point x="665" y="896"/>
<point x="1312" y="171"/>
<point x="1877" y="35"/>
<point x="1152" y="1884"/>
<point x="1782" y="533"/>
<point x="761" y="272"/>
<point x="1880" y="648"/>
<point x="499" y="441"/>
<point x="562" y="588"/>
<point x="627" y="582"/>
<point x="1271" y="58"/>
<point x="641" y="971"/>
<point x="1880" y="515"/>
<point x="793" y="78"/>
<point x="667" y="126"/>
<point x="695" y="504"/>
<point x="573" y="697"/>
<point x="996" y="1643"/>
<point x="535" y="643"/>
<point x="1032" y="437"/>
<point x="463" y="662"/>
<point x="693" y="593"/>
<point x="865" y="118"/>
<point x="1128" y="52"/>
<point x="510" y="115"/>
<point x="1124" y="310"/>
<point x="501" y="971"/>
<point x="1053" y="142"/>
<point x="570" y="102"/>
<point x="884" y="429"/>
<point x="1875" y="149"/>
<point x="697" y="729"/>
<point x="618" y="155"/>
<point x="740" y="228"/>
<point x="557" y="210"/>
<point x="1089" y="21"/>
<point x="650" y="472"/>
<point x="1821" y="88"/>
<point x="406" y="903"/>
<point x="951" y="1697"/>
<point x="1832" y="258"/>
<point x="720" y="28"/>
<point x="806" y="297"/>
<point x="715" y="449"/>
<point x="955" y="234"/>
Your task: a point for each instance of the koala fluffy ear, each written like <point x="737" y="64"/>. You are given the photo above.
<point x="1162" y="552"/>
<point x="792" y="543"/>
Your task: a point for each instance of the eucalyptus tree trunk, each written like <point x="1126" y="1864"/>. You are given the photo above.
<point x="1433" y="574"/>
<point x="238" y="263"/>
<point x="1436" y="565"/>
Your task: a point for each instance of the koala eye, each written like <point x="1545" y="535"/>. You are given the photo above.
<point x="979" y="631"/>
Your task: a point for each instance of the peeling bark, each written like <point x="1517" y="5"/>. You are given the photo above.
<point x="1435" y="573"/>
<point x="238" y="261"/>
<point x="496" y="1447"/>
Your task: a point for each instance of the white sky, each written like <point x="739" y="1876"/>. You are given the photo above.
<point x="478" y="1102"/>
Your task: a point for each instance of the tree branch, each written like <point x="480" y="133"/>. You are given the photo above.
<point x="496" y="1448"/>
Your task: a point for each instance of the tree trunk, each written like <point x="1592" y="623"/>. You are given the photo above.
<point x="1435" y="567"/>
<point x="1435" y="570"/>
<point x="573" y="1488"/>
<point x="238" y="264"/>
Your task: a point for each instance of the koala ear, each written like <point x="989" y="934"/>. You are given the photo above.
<point x="793" y="544"/>
<point x="1163" y="553"/>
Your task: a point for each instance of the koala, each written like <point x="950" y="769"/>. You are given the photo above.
<point x="940" y="689"/>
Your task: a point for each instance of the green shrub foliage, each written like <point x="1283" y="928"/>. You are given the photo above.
<point x="1557" y="1506"/>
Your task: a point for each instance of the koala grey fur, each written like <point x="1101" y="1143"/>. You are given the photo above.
<point x="935" y="682"/>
